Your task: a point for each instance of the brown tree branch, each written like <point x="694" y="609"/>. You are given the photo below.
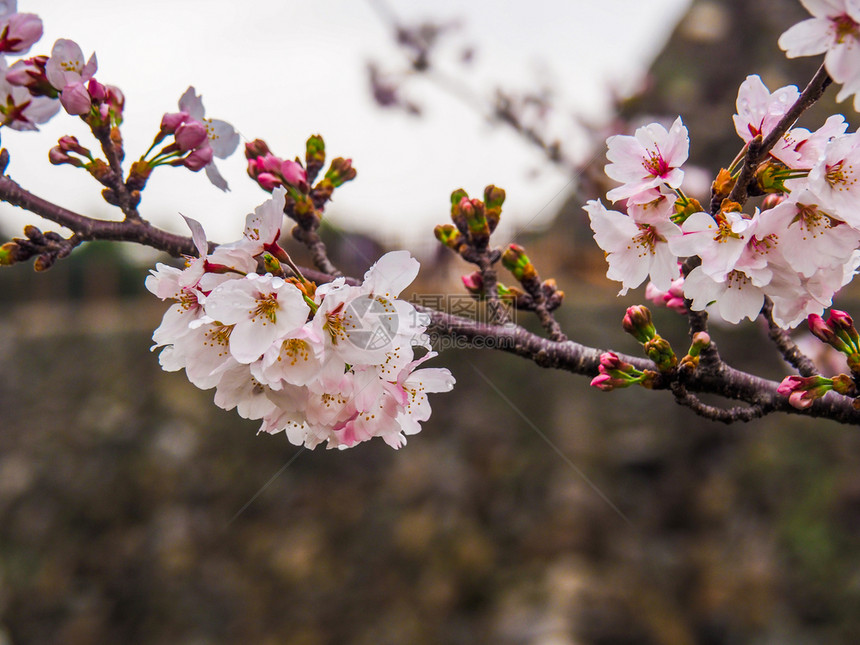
<point x="717" y="378"/>
<point x="758" y="151"/>
<point x="789" y="351"/>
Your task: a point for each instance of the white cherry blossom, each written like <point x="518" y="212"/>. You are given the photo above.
<point x="634" y="250"/>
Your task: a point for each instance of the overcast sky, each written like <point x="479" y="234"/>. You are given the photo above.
<point x="282" y="70"/>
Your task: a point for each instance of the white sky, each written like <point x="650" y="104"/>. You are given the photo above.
<point x="284" y="70"/>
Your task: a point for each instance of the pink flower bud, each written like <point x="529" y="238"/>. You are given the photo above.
<point x="268" y="181"/>
<point x="840" y="320"/>
<point x="190" y="135"/>
<point x="69" y="143"/>
<point x="802" y="391"/>
<point x="603" y="382"/>
<point x="637" y="322"/>
<point x="820" y="329"/>
<point x="20" y="32"/>
<point x="269" y="163"/>
<point x="198" y="159"/>
<point x="293" y="173"/>
<point x="789" y="384"/>
<point x="610" y="361"/>
<point x="473" y="282"/>
<point x="75" y="99"/>
<point x="96" y="90"/>
<point x="115" y="97"/>
<point x="171" y="121"/>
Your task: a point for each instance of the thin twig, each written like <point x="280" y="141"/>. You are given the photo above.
<point x="787" y="348"/>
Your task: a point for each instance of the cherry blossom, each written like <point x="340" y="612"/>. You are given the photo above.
<point x="634" y="249"/>
<point x="18" y="31"/>
<point x="222" y="137"/>
<point x="759" y="110"/>
<point x="261" y="308"/>
<point x="834" y="30"/>
<point x="648" y="159"/>
<point x="735" y="297"/>
<point x="68" y="73"/>
<point x="836" y="176"/>
<point x="21" y="110"/>
<point x="719" y="241"/>
<point x="338" y="368"/>
<point x="810" y="235"/>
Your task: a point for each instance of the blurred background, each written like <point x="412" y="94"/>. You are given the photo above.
<point x="531" y="509"/>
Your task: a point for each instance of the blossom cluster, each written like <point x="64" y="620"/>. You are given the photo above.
<point x="333" y="363"/>
<point x="798" y="251"/>
<point x="33" y="90"/>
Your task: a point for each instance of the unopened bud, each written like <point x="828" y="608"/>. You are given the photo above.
<point x="473" y="283"/>
<point x="191" y="135"/>
<point x="138" y="175"/>
<point x="803" y="390"/>
<point x="314" y="156"/>
<point x="493" y="199"/>
<point x="294" y="174"/>
<point x="96" y="90"/>
<point x="660" y="351"/>
<point x="57" y="157"/>
<point x="340" y="171"/>
<point x="843" y="326"/>
<point x="844" y="384"/>
<point x="256" y="148"/>
<point x="684" y="208"/>
<point x="637" y="322"/>
<point x="9" y="253"/>
<point x="171" y="121"/>
<point x="44" y="262"/>
<point x="196" y="159"/>
<point x="459" y="197"/>
<point x="69" y="143"/>
<point x="272" y="265"/>
<point x="771" y="200"/>
<point x="448" y="235"/>
<point x="479" y="229"/>
<point x="268" y="181"/>
<point x="515" y="260"/>
<point x="701" y="341"/>
<point x="102" y="172"/>
<point x="723" y="184"/>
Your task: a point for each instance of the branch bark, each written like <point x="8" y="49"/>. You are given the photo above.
<point x="712" y="377"/>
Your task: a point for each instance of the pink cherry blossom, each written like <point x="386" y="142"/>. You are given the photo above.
<point x="68" y="73"/>
<point x="21" y="110"/>
<point x="810" y="235"/>
<point x="836" y="176"/>
<point x="650" y="158"/>
<point x="262" y="308"/>
<point x="19" y="32"/>
<point x="734" y="298"/>
<point x="223" y="138"/>
<point x="758" y="110"/>
<point x="834" y="30"/>
<point x="718" y="242"/>
<point x="635" y="250"/>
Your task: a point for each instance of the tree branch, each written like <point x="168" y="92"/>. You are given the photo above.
<point x="758" y="151"/>
<point x="717" y="378"/>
